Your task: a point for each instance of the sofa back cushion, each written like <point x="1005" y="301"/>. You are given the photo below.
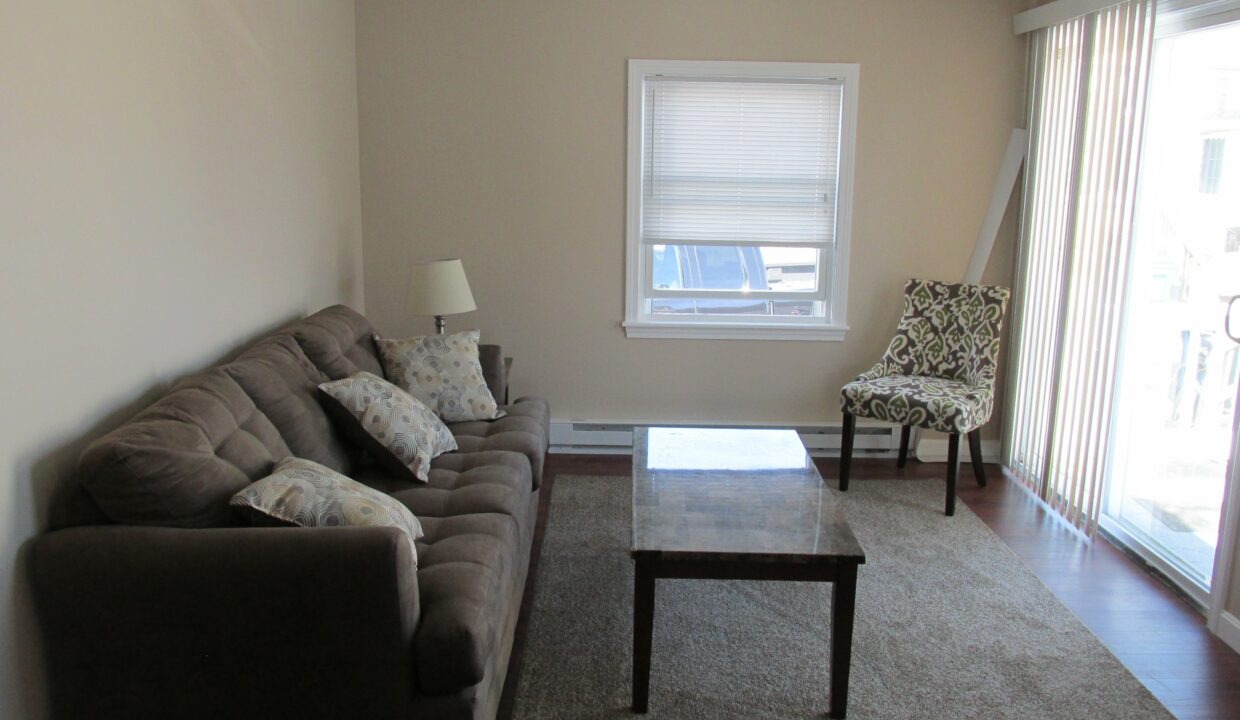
<point x="283" y="384"/>
<point x="339" y="342"/>
<point x="178" y="462"/>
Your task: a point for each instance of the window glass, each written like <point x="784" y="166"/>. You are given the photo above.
<point x="720" y="268"/>
<point x="1211" y="165"/>
<point x="740" y="191"/>
<point x="666" y="268"/>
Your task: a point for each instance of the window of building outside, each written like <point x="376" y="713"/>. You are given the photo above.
<point x="1211" y="165"/>
<point x="739" y="198"/>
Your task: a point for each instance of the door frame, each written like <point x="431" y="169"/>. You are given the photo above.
<point x="1218" y="620"/>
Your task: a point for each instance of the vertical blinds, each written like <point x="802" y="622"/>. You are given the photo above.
<point x="1086" y="113"/>
<point x="740" y="161"/>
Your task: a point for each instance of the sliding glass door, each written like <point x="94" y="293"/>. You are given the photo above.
<point x="1176" y="381"/>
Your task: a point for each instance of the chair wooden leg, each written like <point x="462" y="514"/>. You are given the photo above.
<point x="904" y="435"/>
<point x="846" y="448"/>
<point x="975" y="456"/>
<point x="953" y="466"/>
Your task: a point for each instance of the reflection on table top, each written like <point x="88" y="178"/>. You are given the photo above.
<point x="750" y="493"/>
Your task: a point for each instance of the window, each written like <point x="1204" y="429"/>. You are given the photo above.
<point x="1211" y="165"/>
<point x="740" y="186"/>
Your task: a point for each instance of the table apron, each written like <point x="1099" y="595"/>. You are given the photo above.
<point x="743" y="570"/>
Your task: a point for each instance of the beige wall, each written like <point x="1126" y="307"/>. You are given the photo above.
<point x="175" y="178"/>
<point x="495" y="131"/>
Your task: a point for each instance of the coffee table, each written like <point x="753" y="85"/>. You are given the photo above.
<point x="733" y="504"/>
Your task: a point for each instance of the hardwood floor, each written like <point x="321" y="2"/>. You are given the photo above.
<point x="1154" y="632"/>
<point x="1158" y="635"/>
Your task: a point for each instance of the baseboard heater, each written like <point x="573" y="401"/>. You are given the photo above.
<point x="616" y="438"/>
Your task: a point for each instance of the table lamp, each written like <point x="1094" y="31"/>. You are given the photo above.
<point x="439" y="289"/>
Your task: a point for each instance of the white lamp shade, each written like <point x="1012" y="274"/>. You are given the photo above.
<point x="440" y="288"/>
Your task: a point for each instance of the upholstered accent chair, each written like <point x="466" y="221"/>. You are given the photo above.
<point x="938" y="373"/>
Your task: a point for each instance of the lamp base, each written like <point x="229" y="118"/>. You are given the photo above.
<point x="439" y="324"/>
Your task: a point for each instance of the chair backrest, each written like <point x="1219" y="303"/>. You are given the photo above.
<point x="948" y="330"/>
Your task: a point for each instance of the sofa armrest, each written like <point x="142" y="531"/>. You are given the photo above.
<point x="293" y="622"/>
<point x="494" y="371"/>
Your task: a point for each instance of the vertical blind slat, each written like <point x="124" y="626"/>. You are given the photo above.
<point x="1086" y="463"/>
<point x="1085" y="120"/>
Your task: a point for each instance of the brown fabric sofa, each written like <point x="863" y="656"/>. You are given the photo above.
<point x="157" y="602"/>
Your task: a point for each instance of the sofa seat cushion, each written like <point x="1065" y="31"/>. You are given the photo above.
<point x="474" y="512"/>
<point x="525" y="429"/>
<point x="468" y="567"/>
<point x="464" y="483"/>
<point x="177" y="463"/>
<point x="446" y="475"/>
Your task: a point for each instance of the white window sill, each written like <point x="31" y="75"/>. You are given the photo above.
<point x="734" y="331"/>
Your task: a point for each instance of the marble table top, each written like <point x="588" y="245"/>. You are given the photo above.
<point x="750" y="494"/>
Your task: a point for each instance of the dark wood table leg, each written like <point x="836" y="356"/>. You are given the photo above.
<point x="643" y="632"/>
<point x="843" y="602"/>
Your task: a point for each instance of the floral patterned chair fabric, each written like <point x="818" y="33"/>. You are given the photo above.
<point x="938" y="372"/>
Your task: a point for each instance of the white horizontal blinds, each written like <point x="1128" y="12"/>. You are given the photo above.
<point x="1058" y="64"/>
<point x="740" y="161"/>
<point x="1087" y="116"/>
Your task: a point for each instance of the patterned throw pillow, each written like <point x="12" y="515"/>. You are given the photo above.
<point x="442" y="371"/>
<point x="401" y="433"/>
<point x="306" y="494"/>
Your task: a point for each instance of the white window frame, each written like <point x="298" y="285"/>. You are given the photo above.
<point x="640" y="324"/>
